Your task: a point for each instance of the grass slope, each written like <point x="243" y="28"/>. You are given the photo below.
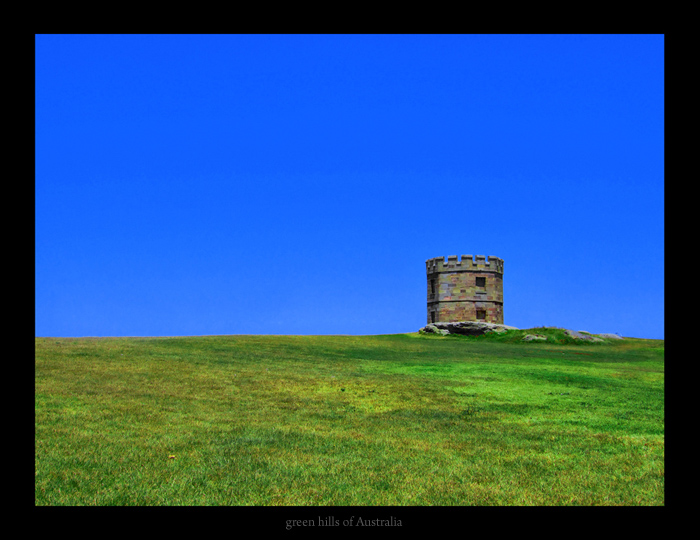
<point x="349" y="420"/>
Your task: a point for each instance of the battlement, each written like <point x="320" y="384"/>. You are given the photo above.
<point x="467" y="262"/>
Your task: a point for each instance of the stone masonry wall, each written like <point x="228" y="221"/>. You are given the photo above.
<point x="465" y="290"/>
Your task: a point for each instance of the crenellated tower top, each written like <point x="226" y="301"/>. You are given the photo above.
<point x="467" y="262"/>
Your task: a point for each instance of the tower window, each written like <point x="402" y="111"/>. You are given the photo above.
<point x="432" y="286"/>
<point x="481" y="282"/>
<point x="480" y="314"/>
<point x="432" y="317"/>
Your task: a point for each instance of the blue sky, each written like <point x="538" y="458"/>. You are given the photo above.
<point x="296" y="184"/>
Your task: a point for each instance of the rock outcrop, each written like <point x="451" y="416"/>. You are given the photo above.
<point x="580" y="335"/>
<point x="474" y="328"/>
<point x="534" y="337"/>
<point x="610" y="336"/>
<point x="465" y="328"/>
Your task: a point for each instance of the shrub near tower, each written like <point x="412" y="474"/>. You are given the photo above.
<point x="465" y="290"/>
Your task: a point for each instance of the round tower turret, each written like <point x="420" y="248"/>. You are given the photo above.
<point x="465" y="289"/>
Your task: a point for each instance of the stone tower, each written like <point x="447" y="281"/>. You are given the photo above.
<point x="466" y="290"/>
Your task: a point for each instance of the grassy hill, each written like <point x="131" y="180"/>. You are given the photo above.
<point x="349" y="420"/>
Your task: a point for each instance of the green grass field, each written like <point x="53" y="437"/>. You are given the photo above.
<point x="349" y="420"/>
